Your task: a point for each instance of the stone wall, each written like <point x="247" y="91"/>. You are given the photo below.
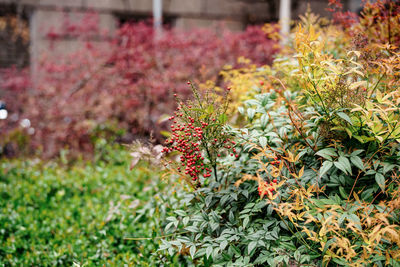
<point x="235" y="14"/>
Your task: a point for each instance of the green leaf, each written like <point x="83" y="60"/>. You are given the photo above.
<point x="357" y="152"/>
<point x="380" y="180"/>
<point x="169" y="225"/>
<point x="208" y="200"/>
<point x="251" y="246"/>
<point x="209" y="250"/>
<point x="345" y="117"/>
<point x="297" y="255"/>
<point x="357" y="162"/>
<point x="326" y="165"/>
<point x="184" y="239"/>
<point x="370" y="172"/>
<point x="263" y="141"/>
<point x="210" y="109"/>
<point x="180" y="213"/>
<point x="341" y="218"/>
<point x="192" y="251"/>
<point x="250" y="113"/>
<point x="245" y="221"/>
<point x="264" y="121"/>
<point x="354" y="218"/>
<point x="166" y="134"/>
<point x="342" y="192"/>
<point x="235" y="249"/>
<point x="214" y="226"/>
<point x="185" y="220"/>
<point x="341" y="166"/>
<point x="231" y="217"/>
<point x="387" y="167"/>
<point x="223" y="118"/>
<point x="171" y="219"/>
<point x="346" y="163"/>
<point x="223" y="245"/>
<point x="192" y="229"/>
<point x="252" y="102"/>
<point x="262" y="258"/>
<point x="176" y="243"/>
<point x="327" y="153"/>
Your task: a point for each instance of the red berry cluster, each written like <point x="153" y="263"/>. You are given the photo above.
<point x="275" y="162"/>
<point x="264" y="188"/>
<point x="197" y="133"/>
<point x="186" y="138"/>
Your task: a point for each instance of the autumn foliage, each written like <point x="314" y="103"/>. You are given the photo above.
<point x="317" y="180"/>
<point x="125" y="83"/>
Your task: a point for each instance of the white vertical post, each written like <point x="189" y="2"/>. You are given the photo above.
<point x="34" y="49"/>
<point x="284" y="19"/>
<point x="157" y="17"/>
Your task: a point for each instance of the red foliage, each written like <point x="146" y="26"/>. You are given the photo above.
<point x="125" y="80"/>
<point x="378" y="21"/>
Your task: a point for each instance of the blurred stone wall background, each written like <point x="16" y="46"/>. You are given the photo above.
<point x="39" y="17"/>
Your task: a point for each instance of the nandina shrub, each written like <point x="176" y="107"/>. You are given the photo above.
<point x="317" y="178"/>
<point x="128" y="80"/>
<point x="199" y="135"/>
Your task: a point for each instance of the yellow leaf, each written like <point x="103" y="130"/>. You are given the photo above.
<point x="379" y="96"/>
<point x="301" y="172"/>
<point x="358" y="84"/>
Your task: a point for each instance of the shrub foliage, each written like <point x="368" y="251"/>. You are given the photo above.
<point x="83" y="214"/>
<point x="316" y="182"/>
<point x="124" y="82"/>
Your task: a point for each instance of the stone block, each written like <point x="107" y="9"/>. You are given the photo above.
<point x="189" y="23"/>
<point x="258" y="11"/>
<point x="53" y="3"/>
<point x="49" y="20"/>
<point x="184" y="6"/>
<point x="64" y="48"/>
<point x="226" y="8"/>
<point x="121" y="5"/>
<point x="146" y="6"/>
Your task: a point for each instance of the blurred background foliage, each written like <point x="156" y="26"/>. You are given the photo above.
<point x="60" y="213"/>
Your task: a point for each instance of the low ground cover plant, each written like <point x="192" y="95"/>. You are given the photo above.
<point x="82" y="214"/>
<point x="315" y="179"/>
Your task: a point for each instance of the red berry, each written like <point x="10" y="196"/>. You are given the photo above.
<point x="275" y="181"/>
